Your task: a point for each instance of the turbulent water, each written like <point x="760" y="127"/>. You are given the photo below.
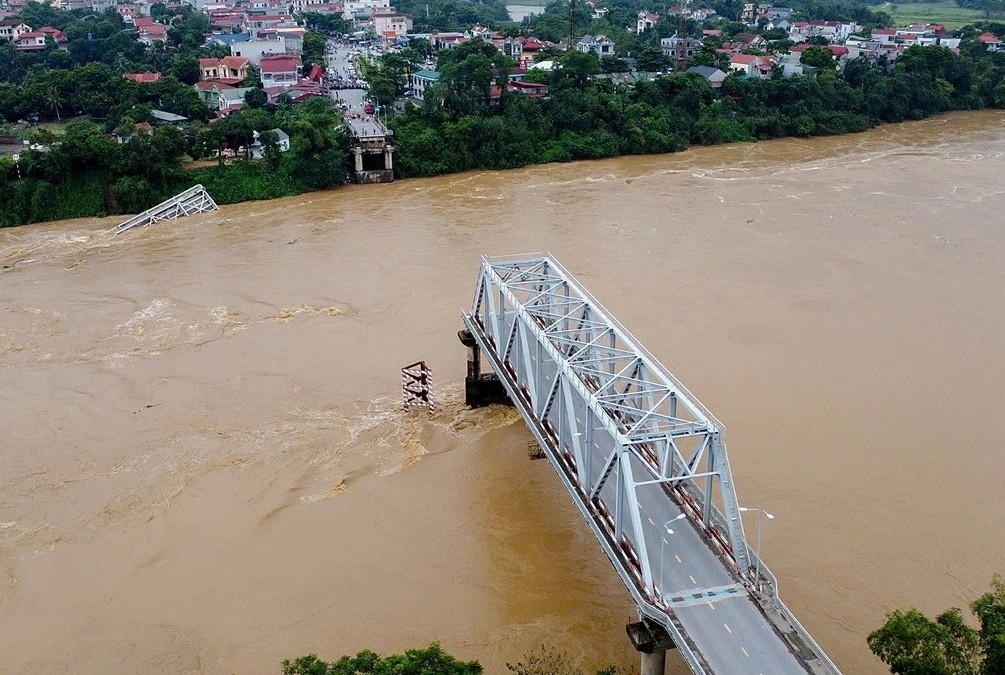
<point x="205" y="468"/>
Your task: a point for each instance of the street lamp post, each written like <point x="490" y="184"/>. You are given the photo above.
<point x="663" y="541"/>
<point x="760" y="512"/>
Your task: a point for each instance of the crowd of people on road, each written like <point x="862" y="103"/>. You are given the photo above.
<point x="342" y="75"/>
<point x="344" y="80"/>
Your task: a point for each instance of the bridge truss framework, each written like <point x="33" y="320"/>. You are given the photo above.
<point x="620" y="430"/>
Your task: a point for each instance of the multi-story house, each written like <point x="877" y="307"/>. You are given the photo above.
<point x="10" y="29"/>
<point x="390" y="25"/>
<point x="646" y="21"/>
<point x="280" y="71"/>
<point x="229" y="69"/>
<point x="600" y="45"/>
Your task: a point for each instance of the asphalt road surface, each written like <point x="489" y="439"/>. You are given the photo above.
<point x="338" y="61"/>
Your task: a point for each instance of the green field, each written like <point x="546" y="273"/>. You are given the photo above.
<point x="59" y="128"/>
<point x="946" y="12"/>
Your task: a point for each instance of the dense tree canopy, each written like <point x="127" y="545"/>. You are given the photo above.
<point x="912" y="644"/>
<point x="413" y="662"/>
<point x="587" y="118"/>
<point x="72" y="176"/>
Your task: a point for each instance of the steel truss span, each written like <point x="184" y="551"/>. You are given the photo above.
<point x="645" y="463"/>
<point x="191" y="201"/>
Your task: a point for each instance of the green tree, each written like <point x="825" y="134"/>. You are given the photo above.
<point x="270" y="148"/>
<point x="912" y="644"/>
<point x="579" y="67"/>
<point x="256" y="98"/>
<point x="329" y="23"/>
<point x="383" y="89"/>
<point x="186" y="69"/>
<point x="990" y="611"/>
<point x="429" y="661"/>
<point x="54" y="100"/>
<point x="818" y="57"/>
<point x="652" y="60"/>
<point x="314" y="49"/>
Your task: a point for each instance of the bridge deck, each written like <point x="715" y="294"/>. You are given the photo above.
<point x="368" y="129"/>
<point x="645" y="464"/>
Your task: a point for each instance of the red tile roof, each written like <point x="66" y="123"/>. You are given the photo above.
<point x="143" y="77"/>
<point x="282" y="63"/>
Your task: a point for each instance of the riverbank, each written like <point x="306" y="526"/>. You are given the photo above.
<point x="582" y="118"/>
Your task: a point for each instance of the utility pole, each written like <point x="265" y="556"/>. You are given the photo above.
<point x="682" y="38"/>
<point x="572" y="24"/>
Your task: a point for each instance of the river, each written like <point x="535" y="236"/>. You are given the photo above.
<point x="519" y="12"/>
<point x="205" y="468"/>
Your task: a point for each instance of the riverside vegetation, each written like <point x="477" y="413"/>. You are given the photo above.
<point x="432" y="661"/>
<point x="87" y="171"/>
<point x="909" y="643"/>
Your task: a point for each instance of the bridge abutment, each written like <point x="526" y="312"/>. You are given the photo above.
<point x="480" y="389"/>
<point x="652" y="641"/>
<point x="373" y="160"/>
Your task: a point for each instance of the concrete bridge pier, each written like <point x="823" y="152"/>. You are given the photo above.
<point x="652" y="641"/>
<point x="654" y="663"/>
<point x="480" y="389"/>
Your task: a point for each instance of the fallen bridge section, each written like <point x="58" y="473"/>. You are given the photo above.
<point x="191" y="201"/>
<point x="645" y="463"/>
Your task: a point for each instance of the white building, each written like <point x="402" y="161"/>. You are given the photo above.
<point x="257" y="149"/>
<point x="11" y="29"/>
<point x="600" y="45"/>
<point x="254" y="50"/>
<point x="390" y="25"/>
<point x="422" y="80"/>
<point x="646" y="21"/>
<point x="363" y="8"/>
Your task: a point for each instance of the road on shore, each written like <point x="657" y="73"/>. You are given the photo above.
<point x="338" y="61"/>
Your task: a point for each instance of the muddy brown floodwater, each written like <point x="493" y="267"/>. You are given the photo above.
<point x="204" y="469"/>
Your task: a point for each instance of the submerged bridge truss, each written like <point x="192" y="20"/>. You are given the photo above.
<point x="186" y="203"/>
<point x="638" y="453"/>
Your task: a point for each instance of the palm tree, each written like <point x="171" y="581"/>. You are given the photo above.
<point x="53" y="99"/>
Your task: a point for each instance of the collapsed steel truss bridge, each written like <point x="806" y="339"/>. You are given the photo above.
<point x="639" y="454"/>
